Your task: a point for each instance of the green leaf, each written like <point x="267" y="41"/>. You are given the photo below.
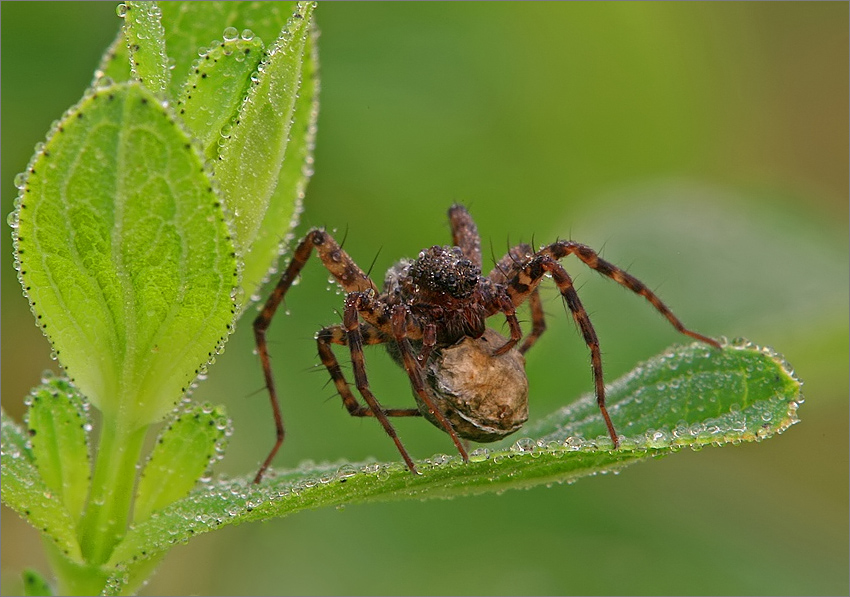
<point x="742" y="393"/>
<point x="58" y="425"/>
<point x="190" y="26"/>
<point x="216" y="89"/>
<point x="210" y="91"/>
<point x="124" y="253"/>
<point x="185" y="449"/>
<point x="146" y="44"/>
<point x="25" y="492"/>
<point x="285" y="203"/>
<point x="253" y="155"/>
<point x="34" y="584"/>
<point x="115" y="63"/>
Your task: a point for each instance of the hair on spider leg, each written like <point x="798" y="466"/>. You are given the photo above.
<point x="431" y="316"/>
<point x="344" y="237"/>
<point x="374" y="261"/>
<point x="255" y="392"/>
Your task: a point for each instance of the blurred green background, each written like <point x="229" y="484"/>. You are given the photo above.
<point x="702" y="145"/>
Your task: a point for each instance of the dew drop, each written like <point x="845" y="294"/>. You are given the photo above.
<point x="524" y="445"/>
<point x="247" y="34"/>
<point x="103" y="82"/>
<point x="230" y="34"/>
<point x="20" y="180"/>
<point x="345" y="471"/>
<point x="121" y="10"/>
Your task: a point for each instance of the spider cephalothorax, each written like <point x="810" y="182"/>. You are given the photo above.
<point x="467" y="380"/>
<point x="445" y="290"/>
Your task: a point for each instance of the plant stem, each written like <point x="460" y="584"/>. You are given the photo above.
<point x="108" y="511"/>
<point x="73" y="578"/>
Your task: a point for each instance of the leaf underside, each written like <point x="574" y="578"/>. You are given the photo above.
<point x="688" y="396"/>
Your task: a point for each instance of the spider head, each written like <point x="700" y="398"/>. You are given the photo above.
<point x="445" y="271"/>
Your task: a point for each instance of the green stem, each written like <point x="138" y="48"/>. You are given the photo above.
<point x="73" y="578"/>
<point x="108" y="511"/>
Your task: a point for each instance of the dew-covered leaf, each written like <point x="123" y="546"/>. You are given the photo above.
<point x="123" y="251"/>
<point x="285" y="203"/>
<point x="216" y="89"/>
<point x="25" y="492"/>
<point x="58" y="424"/>
<point x="193" y="26"/>
<point x="264" y="174"/>
<point x="739" y="393"/>
<point x="190" y="26"/>
<point x="250" y="161"/>
<point x="115" y="62"/>
<point x="146" y="44"/>
<point x="191" y="441"/>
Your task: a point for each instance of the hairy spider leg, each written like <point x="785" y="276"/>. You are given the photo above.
<point x="370" y="335"/>
<point x="378" y="313"/>
<point x="505" y="269"/>
<point x="414" y="372"/>
<point x="465" y="233"/>
<point x="346" y="272"/>
<point x="527" y="280"/>
<point x="351" y="323"/>
<point x="591" y="258"/>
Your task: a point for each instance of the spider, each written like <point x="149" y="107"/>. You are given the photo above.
<point x="434" y="307"/>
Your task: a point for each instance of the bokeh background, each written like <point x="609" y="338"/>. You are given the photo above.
<point x="702" y="145"/>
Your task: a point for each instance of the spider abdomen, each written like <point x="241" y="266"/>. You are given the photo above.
<point x="485" y="397"/>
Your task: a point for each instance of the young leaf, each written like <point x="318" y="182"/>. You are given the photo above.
<point x="186" y="447"/>
<point x="215" y="90"/>
<point x="285" y="203"/>
<point x="123" y="251"/>
<point x="115" y="63"/>
<point x="205" y="90"/>
<point x="146" y="45"/>
<point x="34" y="584"/>
<point x="190" y="26"/>
<point x="58" y="427"/>
<point x="252" y="157"/>
<point x="26" y="493"/>
<point x="742" y="393"/>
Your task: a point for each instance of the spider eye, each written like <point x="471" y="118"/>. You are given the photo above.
<point x="445" y="270"/>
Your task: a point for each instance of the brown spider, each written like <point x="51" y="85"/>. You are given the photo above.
<point x="428" y="310"/>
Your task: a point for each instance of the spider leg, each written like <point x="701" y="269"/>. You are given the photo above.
<point x="347" y="273"/>
<point x="355" y="345"/>
<point x="429" y="341"/>
<point x="525" y="283"/>
<point x="465" y="233"/>
<point x="414" y="372"/>
<point x="511" y="264"/>
<point x="591" y="258"/>
<point x="508" y="267"/>
<point x="337" y="335"/>
<point x="506" y="306"/>
<point x="538" y="321"/>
